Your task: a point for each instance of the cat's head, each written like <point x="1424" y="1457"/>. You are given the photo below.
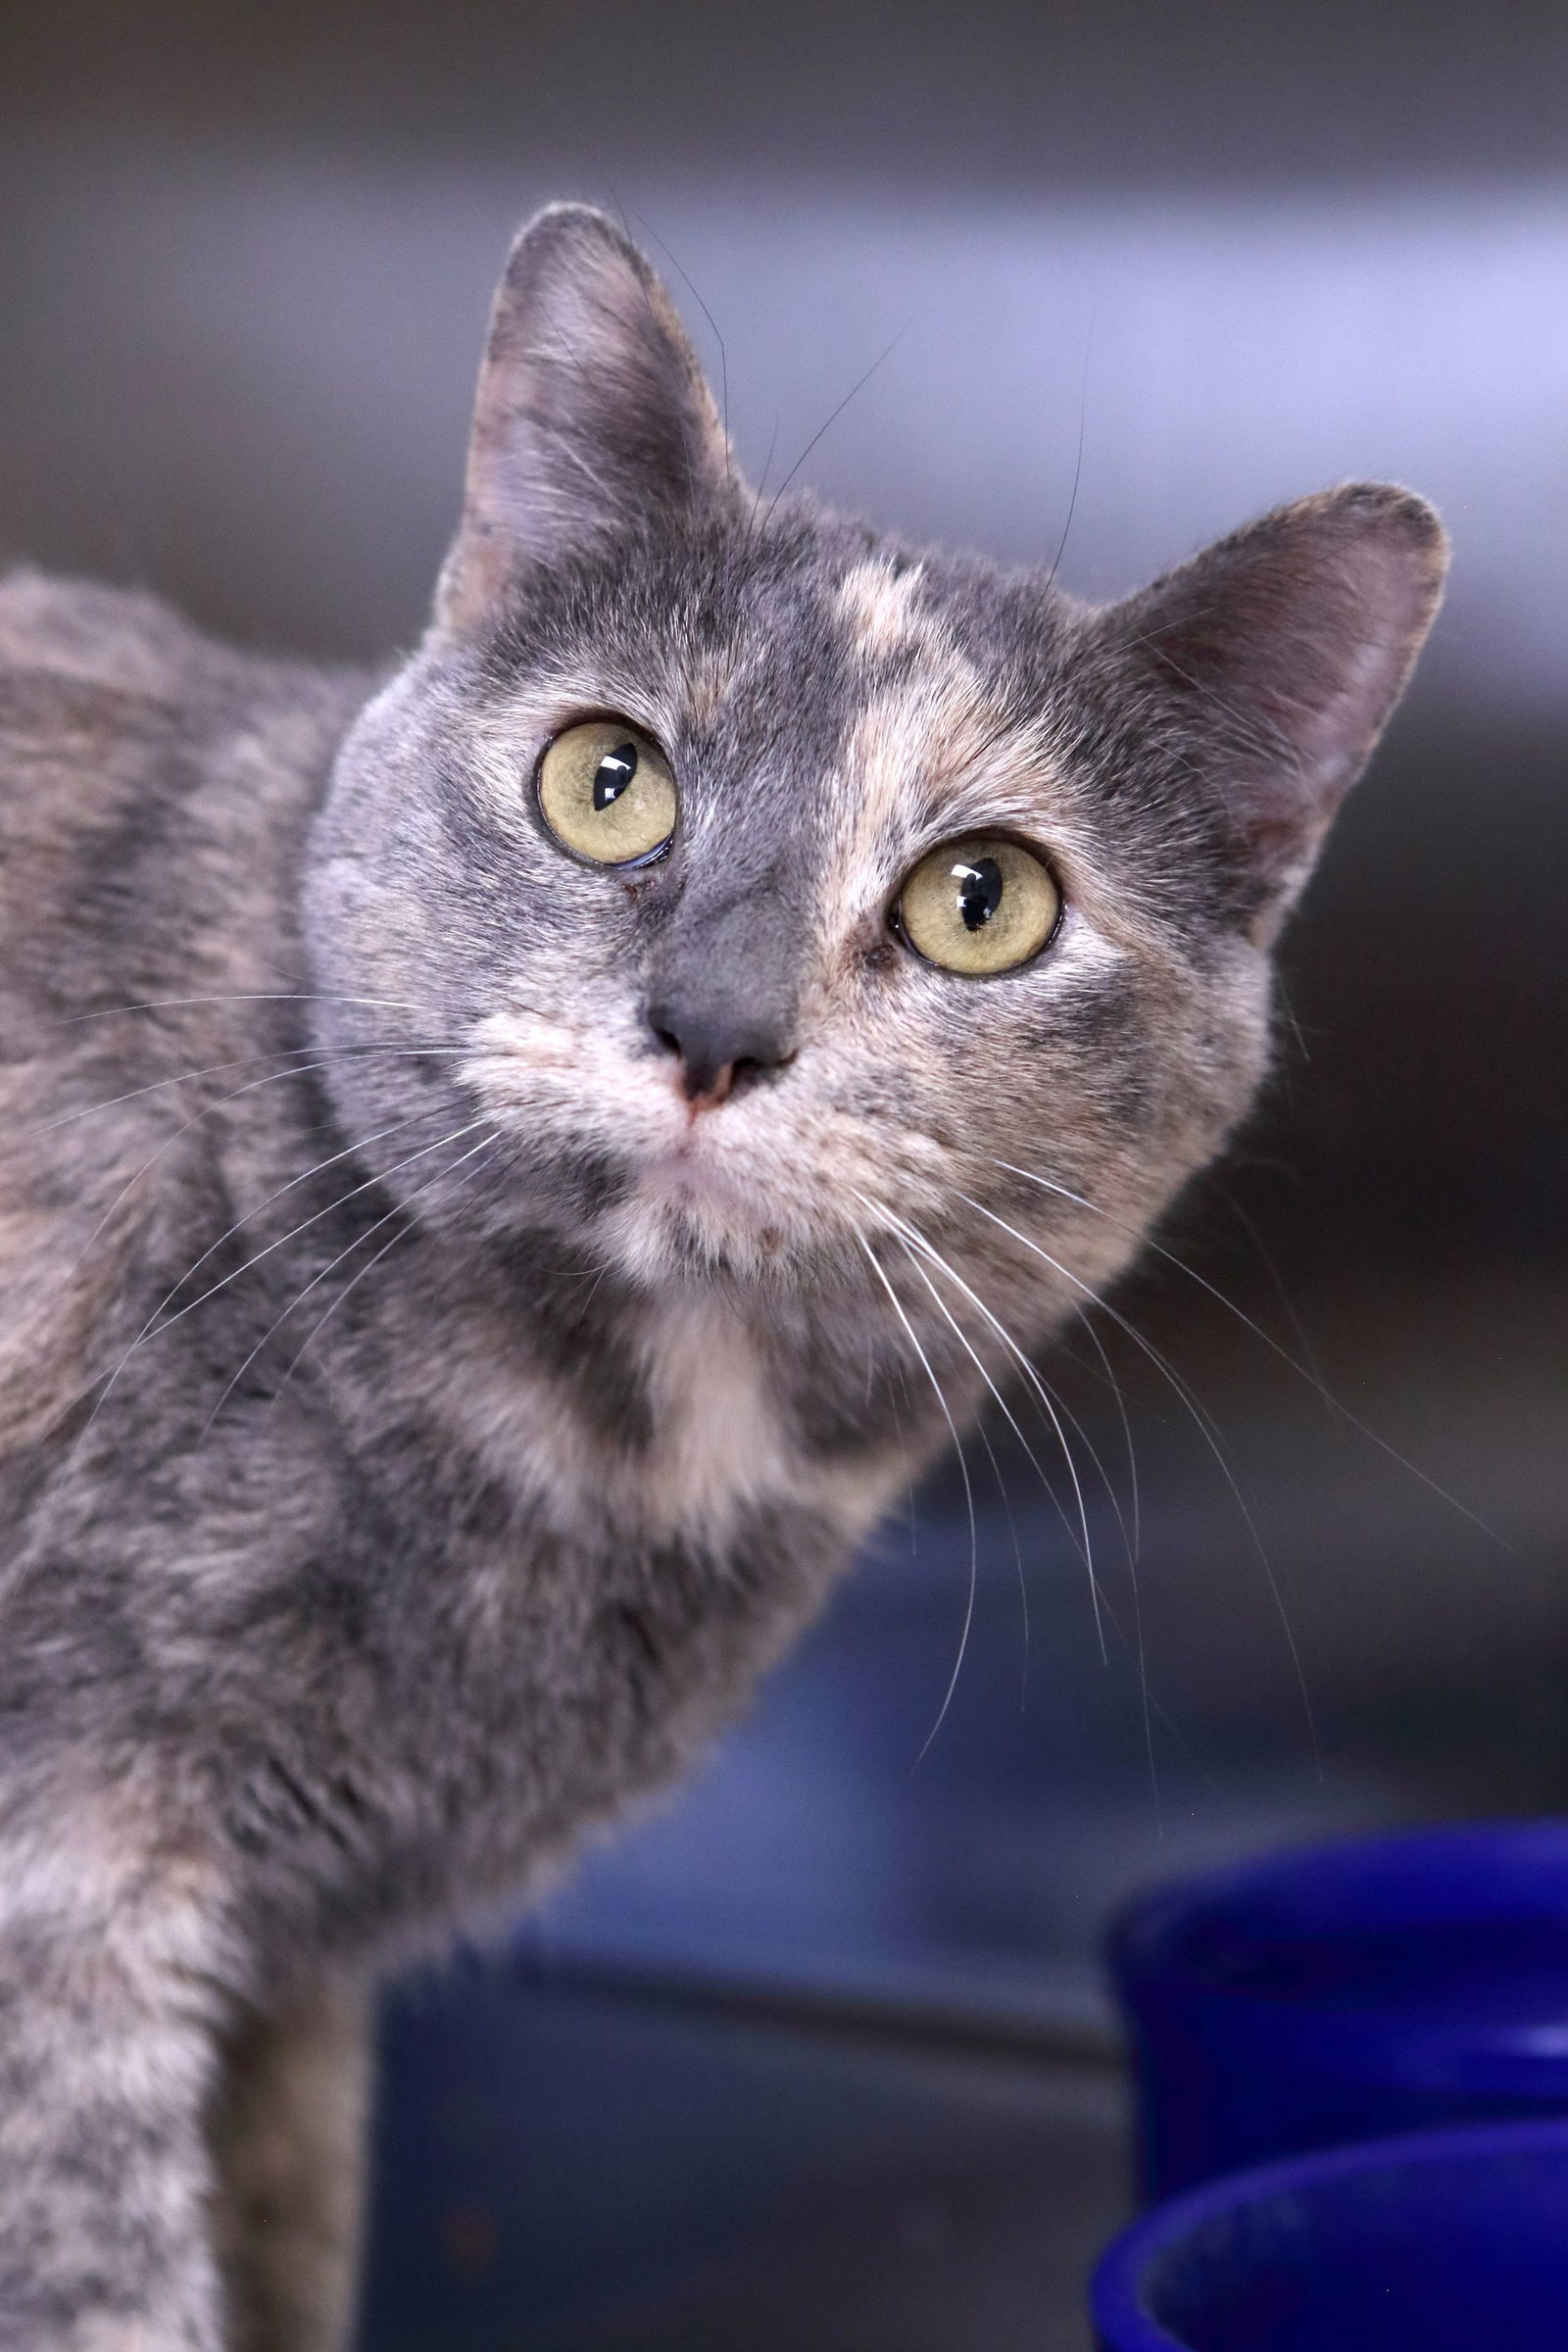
<point x="775" y="900"/>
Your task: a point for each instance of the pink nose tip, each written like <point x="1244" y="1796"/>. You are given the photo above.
<point x="715" y="1087"/>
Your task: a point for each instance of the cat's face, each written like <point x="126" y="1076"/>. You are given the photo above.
<point x="779" y="903"/>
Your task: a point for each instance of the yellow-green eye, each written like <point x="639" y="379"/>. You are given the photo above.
<point x="607" y="791"/>
<point x="980" y="905"/>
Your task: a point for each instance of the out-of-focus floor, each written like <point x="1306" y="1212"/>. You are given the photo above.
<point x="565" y="2171"/>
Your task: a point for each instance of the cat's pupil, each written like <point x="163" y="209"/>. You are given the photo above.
<point x="613" y="773"/>
<point x="979" y="891"/>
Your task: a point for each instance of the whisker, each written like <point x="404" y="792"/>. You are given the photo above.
<point x="593" y="1292"/>
<point x="272" y="1078"/>
<point x="105" y="1012"/>
<point x="1130" y="1544"/>
<point x="991" y="1456"/>
<point x="359" y="1275"/>
<point x="1086" y="1553"/>
<point x="762" y="486"/>
<point x="153" y="1328"/>
<point x="1017" y="1562"/>
<point x="834" y="415"/>
<point x="897" y="1379"/>
<point x="1335" y="1404"/>
<point x="968" y="1490"/>
<point x="723" y="355"/>
<point x="1002" y="1488"/>
<point x="1205" y="1423"/>
<point x="1077" y="472"/>
<point x="1287" y="1015"/>
<point x="1265" y="1258"/>
<point x="1085" y="1548"/>
<point x="1109" y="1370"/>
<point x="1149" y="1705"/>
<point x="240" y="1061"/>
<point x="212" y="1069"/>
<point x="1060" y="1405"/>
<point x="317" y="1168"/>
<point x="485" y="1143"/>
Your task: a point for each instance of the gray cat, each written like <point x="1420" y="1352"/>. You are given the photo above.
<point x="506" y="1169"/>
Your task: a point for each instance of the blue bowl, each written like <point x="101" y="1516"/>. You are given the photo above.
<point x="1441" y="2241"/>
<point x="1342" y="1992"/>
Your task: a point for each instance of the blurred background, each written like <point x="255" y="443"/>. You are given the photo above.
<point x="820" y="2056"/>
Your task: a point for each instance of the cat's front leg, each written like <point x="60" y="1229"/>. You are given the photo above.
<point x="288" y="2135"/>
<point x="111" y="1995"/>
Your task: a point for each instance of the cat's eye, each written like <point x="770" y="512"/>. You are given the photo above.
<point x="606" y="792"/>
<point x="980" y="905"/>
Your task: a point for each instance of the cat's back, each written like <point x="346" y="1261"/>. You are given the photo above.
<point x="154" y="791"/>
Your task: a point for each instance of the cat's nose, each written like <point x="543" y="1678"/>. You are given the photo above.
<point x="719" y="1046"/>
<point x="722" y="981"/>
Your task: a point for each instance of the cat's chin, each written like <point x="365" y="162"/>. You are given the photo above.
<point x="692" y="1184"/>
<point x="692" y="1214"/>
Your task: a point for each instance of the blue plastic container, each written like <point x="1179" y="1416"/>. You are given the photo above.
<point x="1342" y="1991"/>
<point x="1442" y="2241"/>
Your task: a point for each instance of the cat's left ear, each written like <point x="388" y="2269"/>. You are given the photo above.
<point x="1270" y="663"/>
<point x="592" y="412"/>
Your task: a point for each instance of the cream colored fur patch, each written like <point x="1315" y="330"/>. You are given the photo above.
<point x="881" y="609"/>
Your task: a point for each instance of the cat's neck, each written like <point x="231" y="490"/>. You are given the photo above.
<point x="644" y="1415"/>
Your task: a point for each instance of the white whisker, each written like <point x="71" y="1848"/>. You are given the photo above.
<point x="484" y="1143"/>
<point x="151" y="1329"/>
<point x="1205" y="1423"/>
<point x="1335" y="1404"/>
<point x="295" y="997"/>
<point x="968" y="1490"/>
<point x="896" y="1377"/>
<point x="1102" y="1604"/>
<point x="291" y="1055"/>
<point x="1109" y="1370"/>
<point x="962" y="1336"/>
<point x="1265" y="1258"/>
<point x="272" y="1078"/>
<point x="1087" y="1551"/>
<point x="488" y="1144"/>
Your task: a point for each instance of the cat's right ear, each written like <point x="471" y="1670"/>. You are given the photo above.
<point x="592" y="412"/>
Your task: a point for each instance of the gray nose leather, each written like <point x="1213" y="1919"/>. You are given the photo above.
<point x="724" y="987"/>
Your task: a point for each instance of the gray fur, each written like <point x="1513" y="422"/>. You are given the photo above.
<point x="420" y="1422"/>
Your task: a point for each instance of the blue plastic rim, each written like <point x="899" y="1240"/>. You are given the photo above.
<point x="1380" y="1985"/>
<point x="1437" y="2241"/>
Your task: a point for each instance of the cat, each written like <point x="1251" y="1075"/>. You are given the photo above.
<point x="507" y="1167"/>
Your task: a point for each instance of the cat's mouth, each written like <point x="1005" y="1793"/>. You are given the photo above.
<point x="693" y="1168"/>
<point x="713" y="1193"/>
<point x="751" y="1187"/>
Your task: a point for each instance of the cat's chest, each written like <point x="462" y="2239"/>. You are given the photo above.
<point x="558" y="1580"/>
<point x="680" y="1427"/>
<point x="719" y="1435"/>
